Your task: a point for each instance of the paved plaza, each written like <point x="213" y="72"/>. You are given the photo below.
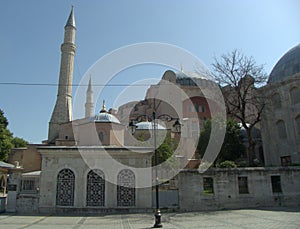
<point x="247" y="218"/>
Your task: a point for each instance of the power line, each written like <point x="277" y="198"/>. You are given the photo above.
<point x="73" y="85"/>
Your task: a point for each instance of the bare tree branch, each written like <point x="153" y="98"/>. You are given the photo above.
<point x="240" y="78"/>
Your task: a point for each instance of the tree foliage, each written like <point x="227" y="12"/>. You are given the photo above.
<point x="240" y="78"/>
<point x="165" y="153"/>
<point x="232" y="147"/>
<point x="5" y="137"/>
<point x="19" y="142"/>
<point x="7" y="141"/>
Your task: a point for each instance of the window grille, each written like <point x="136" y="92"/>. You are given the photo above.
<point x="30" y="184"/>
<point x="95" y="190"/>
<point x="65" y="188"/>
<point x="126" y="188"/>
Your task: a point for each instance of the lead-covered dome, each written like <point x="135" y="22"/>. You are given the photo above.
<point x="288" y="65"/>
<point x="148" y="126"/>
<point x="105" y="117"/>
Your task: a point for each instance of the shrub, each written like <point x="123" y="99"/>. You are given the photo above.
<point x="227" y="164"/>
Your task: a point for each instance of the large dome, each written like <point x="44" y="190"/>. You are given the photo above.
<point x="288" y="65"/>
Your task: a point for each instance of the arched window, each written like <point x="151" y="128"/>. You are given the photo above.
<point x="281" y="129"/>
<point x="295" y="95"/>
<point x="101" y="136"/>
<point x="65" y="188"/>
<point x="276" y="101"/>
<point x="126" y="188"/>
<point x="95" y="189"/>
<point x="297" y="119"/>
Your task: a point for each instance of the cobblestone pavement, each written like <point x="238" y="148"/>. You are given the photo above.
<point x="250" y="218"/>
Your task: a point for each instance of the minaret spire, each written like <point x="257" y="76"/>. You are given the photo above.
<point x="89" y="105"/>
<point x="63" y="107"/>
<point x="71" y="19"/>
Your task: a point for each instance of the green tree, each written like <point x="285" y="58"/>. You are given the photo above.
<point x="19" y="142"/>
<point x="7" y="141"/>
<point x="232" y="147"/>
<point x="165" y="152"/>
<point x="5" y="138"/>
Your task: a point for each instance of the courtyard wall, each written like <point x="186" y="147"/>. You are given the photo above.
<point x="226" y="188"/>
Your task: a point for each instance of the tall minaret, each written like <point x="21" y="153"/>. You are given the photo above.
<point x="63" y="107"/>
<point x="89" y="104"/>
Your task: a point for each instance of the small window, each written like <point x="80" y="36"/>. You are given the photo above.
<point x="286" y="160"/>
<point x="29" y="185"/>
<point x="203" y="109"/>
<point x="66" y="137"/>
<point x="101" y="136"/>
<point x="243" y="185"/>
<point x="208" y="185"/>
<point x="276" y="184"/>
<point x="196" y="106"/>
<point x="276" y="101"/>
<point x="281" y="129"/>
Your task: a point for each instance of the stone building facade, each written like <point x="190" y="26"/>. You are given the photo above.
<point x="280" y="123"/>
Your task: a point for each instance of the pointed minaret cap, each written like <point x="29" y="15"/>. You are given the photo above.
<point x="71" y="19"/>
<point x="103" y="110"/>
<point x="90" y="85"/>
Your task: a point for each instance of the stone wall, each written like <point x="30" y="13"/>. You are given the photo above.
<point x="226" y="191"/>
<point x="28" y="158"/>
<point x="27" y="203"/>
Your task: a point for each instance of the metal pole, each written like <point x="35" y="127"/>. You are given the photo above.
<point x="157" y="212"/>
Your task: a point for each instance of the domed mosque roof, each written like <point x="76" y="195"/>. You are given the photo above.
<point x="148" y="126"/>
<point x="288" y="65"/>
<point x="104" y="116"/>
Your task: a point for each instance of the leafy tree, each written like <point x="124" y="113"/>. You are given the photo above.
<point x="232" y="147"/>
<point x="240" y="78"/>
<point x="5" y="138"/>
<point x="7" y="141"/>
<point x="165" y="152"/>
<point x="19" y="142"/>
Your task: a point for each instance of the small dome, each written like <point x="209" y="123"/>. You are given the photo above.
<point x="105" y="117"/>
<point x="288" y="65"/>
<point x="148" y="126"/>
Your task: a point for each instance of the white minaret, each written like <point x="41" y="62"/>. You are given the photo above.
<point x="89" y="104"/>
<point x="63" y="107"/>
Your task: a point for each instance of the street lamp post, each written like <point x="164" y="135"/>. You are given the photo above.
<point x="177" y="128"/>
<point x="157" y="215"/>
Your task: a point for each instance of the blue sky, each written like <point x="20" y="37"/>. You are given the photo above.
<point x="32" y="32"/>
